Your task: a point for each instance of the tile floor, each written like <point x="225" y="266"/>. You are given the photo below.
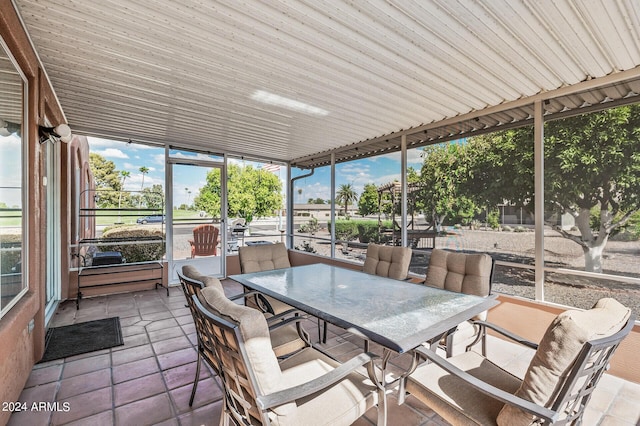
<point x="148" y="380"/>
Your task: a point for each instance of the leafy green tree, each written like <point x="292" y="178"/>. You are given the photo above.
<point x="153" y="198"/>
<point x="251" y="193"/>
<point x="346" y="196"/>
<point x="444" y="171"/>
<point x="106" y="179"/>
<point x="368" y="202"/>
<point x="501" y="168"/>
<point x="592" y="162"/>
<point x="209" y="197"/>
<point x="414" y="202"/>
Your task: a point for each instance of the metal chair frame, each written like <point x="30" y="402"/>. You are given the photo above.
<point x="573" y="396"/>
<point x="242" y="403"/>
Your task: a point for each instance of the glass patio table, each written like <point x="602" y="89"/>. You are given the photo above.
<point x="395" y="314"/>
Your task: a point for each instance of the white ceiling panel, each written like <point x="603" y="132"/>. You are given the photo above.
<point x="346" y="73"/>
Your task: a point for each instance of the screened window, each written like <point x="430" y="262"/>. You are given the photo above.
<point x="13" y="282"/>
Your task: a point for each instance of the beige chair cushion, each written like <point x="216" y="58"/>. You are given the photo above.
<point x="264" y="257"/>
<point x="212" y="282"/>
<point x="453" y="398"/>
<point x="387" y="261"/>
<point x="460" y="272"/>
<point x="192" y="272"/>
<point x="286" y="340"/>
<point x="341" y="404"/>
<point x="559" y="347"/>
<point x="257" y="341"/>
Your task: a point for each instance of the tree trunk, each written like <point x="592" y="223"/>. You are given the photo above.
<point x="437" y="222"/>
<point x="593" y="258"/>
<point x="592" y="245"/>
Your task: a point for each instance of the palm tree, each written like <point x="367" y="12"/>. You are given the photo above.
<point x="124" y="175"/>
<point x="345" y="196"/>
<point x="144" y="170"/>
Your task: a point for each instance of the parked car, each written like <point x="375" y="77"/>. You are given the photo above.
<point x="155" y="218"/>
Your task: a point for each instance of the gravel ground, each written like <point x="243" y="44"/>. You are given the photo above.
<point x="620" y="258"/>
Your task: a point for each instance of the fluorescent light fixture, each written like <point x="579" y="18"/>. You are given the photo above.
<point x="291" y="104"/>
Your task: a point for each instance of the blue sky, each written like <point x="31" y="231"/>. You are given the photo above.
<point x="130" y="157"/>
<point x="11" y="171"/>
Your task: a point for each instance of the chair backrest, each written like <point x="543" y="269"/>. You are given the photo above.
<point x="387" y="261"/>
<point x="263" y="257"/>
<point x="205" y="240"/>
<point x="570" y="360"/>
<point x="469" y="273"/>
<point x="195" y="280"/>
<point x="248" y="365"/>
<point x="192" y="284"/>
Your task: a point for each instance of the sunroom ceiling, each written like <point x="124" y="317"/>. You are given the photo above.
<point x="294" y="81"/>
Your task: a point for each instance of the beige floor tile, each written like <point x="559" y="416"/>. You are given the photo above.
<point x="147" y="411"/>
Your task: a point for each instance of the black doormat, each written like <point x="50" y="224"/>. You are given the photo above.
<point x="76" y="339"/>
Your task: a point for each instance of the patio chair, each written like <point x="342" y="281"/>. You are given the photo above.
<point x="286" y="338"/>
<point x="384" y="261"/>
<point x="265" y="257"/>
<point x="307" y="388"/>
<point x="462" y="273"/>
<point x="568" y="363"/>
<point x="387" y="261"/>
<point x="205" y="240"/>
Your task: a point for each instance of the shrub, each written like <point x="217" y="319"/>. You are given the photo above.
<point x="143" y="243"/>
<point x="369" y="231"/>
<point x="507" y="228"/>
<point x="311" y="227"/>
<point x="11" y="252"/>
<point x="306" y="246"/>
<point x="493" y="219"/>
<point x="346" y="230"/>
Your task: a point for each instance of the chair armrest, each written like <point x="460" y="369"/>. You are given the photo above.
<point x="319" y="383"/>
<point x="281" y="315"/>
<point x="281" y="323"/>
<point x="488" y="389"/>
<point x="241" y="295"/>
<point x="506" y="333"/>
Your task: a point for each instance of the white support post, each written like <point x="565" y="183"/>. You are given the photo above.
<point x="289" y="206"/>
<point x="403" y="193"/>
<point x="333" y="205"/>
<point x="538" y="141"/>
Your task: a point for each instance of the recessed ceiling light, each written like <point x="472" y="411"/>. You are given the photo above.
<point x="291" y="104"/>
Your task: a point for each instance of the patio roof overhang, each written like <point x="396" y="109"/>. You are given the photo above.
<point x="296" y="82"/>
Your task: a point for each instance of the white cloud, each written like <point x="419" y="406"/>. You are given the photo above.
<point x="315" y="190"/>
<point x="110" y="153"/>
<point x="158" y="159"/>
